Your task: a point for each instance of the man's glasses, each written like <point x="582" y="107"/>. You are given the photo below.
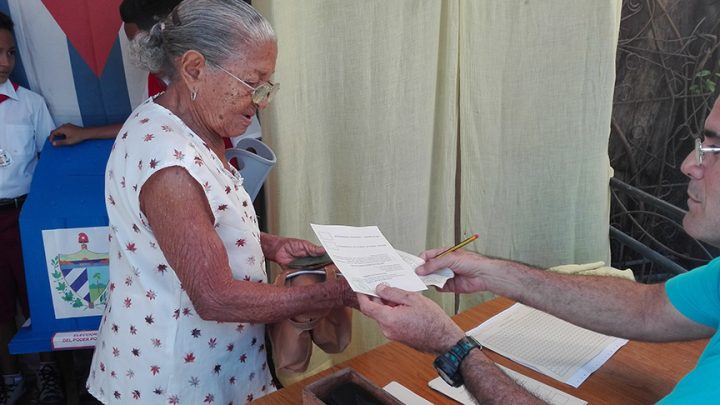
<point x="701" y="150"/>
<point x="264" y="91"/>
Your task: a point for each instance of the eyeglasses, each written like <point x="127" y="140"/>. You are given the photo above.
<point x="701" y="150"/>
<point x="264" y="91"/>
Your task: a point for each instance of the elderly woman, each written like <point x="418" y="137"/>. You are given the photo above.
<point x="188" y="299"/>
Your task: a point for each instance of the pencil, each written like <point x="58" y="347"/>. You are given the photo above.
<point x="459" y="245"/>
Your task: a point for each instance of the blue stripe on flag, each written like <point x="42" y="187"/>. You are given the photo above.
<point x="105" y="100"/>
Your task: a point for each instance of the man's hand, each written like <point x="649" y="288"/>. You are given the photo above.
<point x="469" y="269"/>
<point x="412" y="319"/>
<point x="283" y="250"/>
<point x="418" y="322"/>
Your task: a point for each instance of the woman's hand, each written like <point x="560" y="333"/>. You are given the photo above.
<point x="283" y="250"/>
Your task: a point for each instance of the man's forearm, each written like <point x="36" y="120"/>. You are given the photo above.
<point x="489" y="385"/>
<point x="607" y="305"/>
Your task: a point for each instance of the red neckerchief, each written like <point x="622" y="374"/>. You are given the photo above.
<point x="4" y="97"/>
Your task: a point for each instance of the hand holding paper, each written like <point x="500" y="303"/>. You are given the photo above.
<point x="437" y="278"/>
<point x="366" y="258"/>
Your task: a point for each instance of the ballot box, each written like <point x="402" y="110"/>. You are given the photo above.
<point x="66" y="265"/>
<point x="64" y="234"/>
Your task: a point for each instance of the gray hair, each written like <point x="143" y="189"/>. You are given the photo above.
<point x="218" y="29"/>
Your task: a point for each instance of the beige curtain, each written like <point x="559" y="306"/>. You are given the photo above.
<point x="436" y="119"/>
<point x="536" y="83"/>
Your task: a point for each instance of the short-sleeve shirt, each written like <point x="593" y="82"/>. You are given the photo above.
<point x="25" y="124"/>
<point x="152" y="346"/>
<point x="696" y="294"/>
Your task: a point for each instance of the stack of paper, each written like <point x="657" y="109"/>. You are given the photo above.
<point x="556" y="348"/>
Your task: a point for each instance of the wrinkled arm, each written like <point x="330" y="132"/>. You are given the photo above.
<point x="608" y="305"/>
<point x="183" y="225"/>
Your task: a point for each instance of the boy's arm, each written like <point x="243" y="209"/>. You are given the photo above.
<point x="43" y="123"/>
<point x="74" y="134"/>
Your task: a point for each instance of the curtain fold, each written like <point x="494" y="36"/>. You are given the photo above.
<point x="437" y="119"/>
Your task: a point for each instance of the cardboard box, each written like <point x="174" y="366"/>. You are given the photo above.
<point x="343" y="386"/>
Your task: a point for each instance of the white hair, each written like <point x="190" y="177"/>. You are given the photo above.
<point x="218" y="29"/>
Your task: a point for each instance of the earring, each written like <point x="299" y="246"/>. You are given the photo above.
<point x="193" y="95"/>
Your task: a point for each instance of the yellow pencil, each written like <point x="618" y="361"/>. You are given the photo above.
<point x="459" y="245"/>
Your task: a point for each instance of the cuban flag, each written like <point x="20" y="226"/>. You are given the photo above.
<point x="76" y="55"/>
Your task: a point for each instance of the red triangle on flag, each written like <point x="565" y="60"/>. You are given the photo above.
<point x="90" y="25"/>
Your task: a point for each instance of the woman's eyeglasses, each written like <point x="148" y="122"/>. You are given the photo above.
<point x="260" y="93"/>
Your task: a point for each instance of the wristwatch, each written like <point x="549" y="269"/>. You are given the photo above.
<point x="448" y="365"/>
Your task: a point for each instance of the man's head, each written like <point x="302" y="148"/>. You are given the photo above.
<point x="703" y="218"/>
<point x="141" y="15"/>
<point x="7" y="48"/>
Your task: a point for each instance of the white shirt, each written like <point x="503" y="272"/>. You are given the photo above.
<point x="153" y="348"/>
<point x="25" y="124"/>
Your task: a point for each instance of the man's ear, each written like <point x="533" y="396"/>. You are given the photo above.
<point x="192" y="67"/>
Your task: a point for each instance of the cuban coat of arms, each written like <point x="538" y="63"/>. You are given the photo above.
<point x="78" y="270"/>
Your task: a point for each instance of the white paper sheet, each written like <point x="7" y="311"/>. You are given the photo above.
<point x="366" y="258"/>
<point x="545" y="392"/>
<point x="556" y="348"/>
<point x="436" y="278"/>
<point x="404" y="395"/>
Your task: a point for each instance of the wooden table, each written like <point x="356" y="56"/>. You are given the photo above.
<point x="639" y="373"/>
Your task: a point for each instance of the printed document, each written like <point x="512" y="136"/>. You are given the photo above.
<point x="556" y="348"/>
<point x="436" y="278"/>
<point x="366" y="258"/>
<point x="545" y="392"/>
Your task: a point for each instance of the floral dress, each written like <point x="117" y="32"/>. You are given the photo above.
<point x="152" y="347"/>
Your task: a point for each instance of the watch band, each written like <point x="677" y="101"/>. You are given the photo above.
<point x="448" y="365"/>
